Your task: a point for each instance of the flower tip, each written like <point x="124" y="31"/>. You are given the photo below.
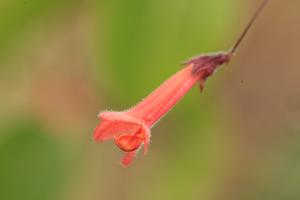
<point x="127" y="159"/>
<point x="201" y="85"/>
<point x="101" y="132"/>
<point x="97" y="138"/>
<point x="146" y="147"/>
<point x="97" y="134"/>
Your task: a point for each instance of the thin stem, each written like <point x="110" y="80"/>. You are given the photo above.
<point x="246" y="30"/>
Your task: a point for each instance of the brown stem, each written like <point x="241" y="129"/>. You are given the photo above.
<point x="252" y="20"/>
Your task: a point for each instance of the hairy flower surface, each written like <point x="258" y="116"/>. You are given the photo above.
<point x="130" y="129"/>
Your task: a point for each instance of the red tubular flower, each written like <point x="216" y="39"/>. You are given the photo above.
<point x="131" y="128"/>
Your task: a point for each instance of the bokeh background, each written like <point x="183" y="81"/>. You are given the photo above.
<point x="62" y="61"/>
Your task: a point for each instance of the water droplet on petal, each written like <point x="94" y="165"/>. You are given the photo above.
<point x="128" y="143"/>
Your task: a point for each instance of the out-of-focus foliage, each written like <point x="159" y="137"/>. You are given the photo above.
<point x="32" y="163"/>
<point x="63" y="61"/>
<point x="19" y="17"/>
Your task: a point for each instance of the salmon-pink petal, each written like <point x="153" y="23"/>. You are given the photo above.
<point x="108" y="129"/>
<point x="119" y="116"/>
<point x="115" y="124"/>
<point x="146" y="147"/>
<point x="161" y="100"/>
<point x="128" y="158"/>
<point x="103" y="131"/>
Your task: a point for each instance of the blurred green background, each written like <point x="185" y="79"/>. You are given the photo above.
<point x="63" y="61"/>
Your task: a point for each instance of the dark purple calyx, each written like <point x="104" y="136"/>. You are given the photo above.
<point x="205" y="65"/>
